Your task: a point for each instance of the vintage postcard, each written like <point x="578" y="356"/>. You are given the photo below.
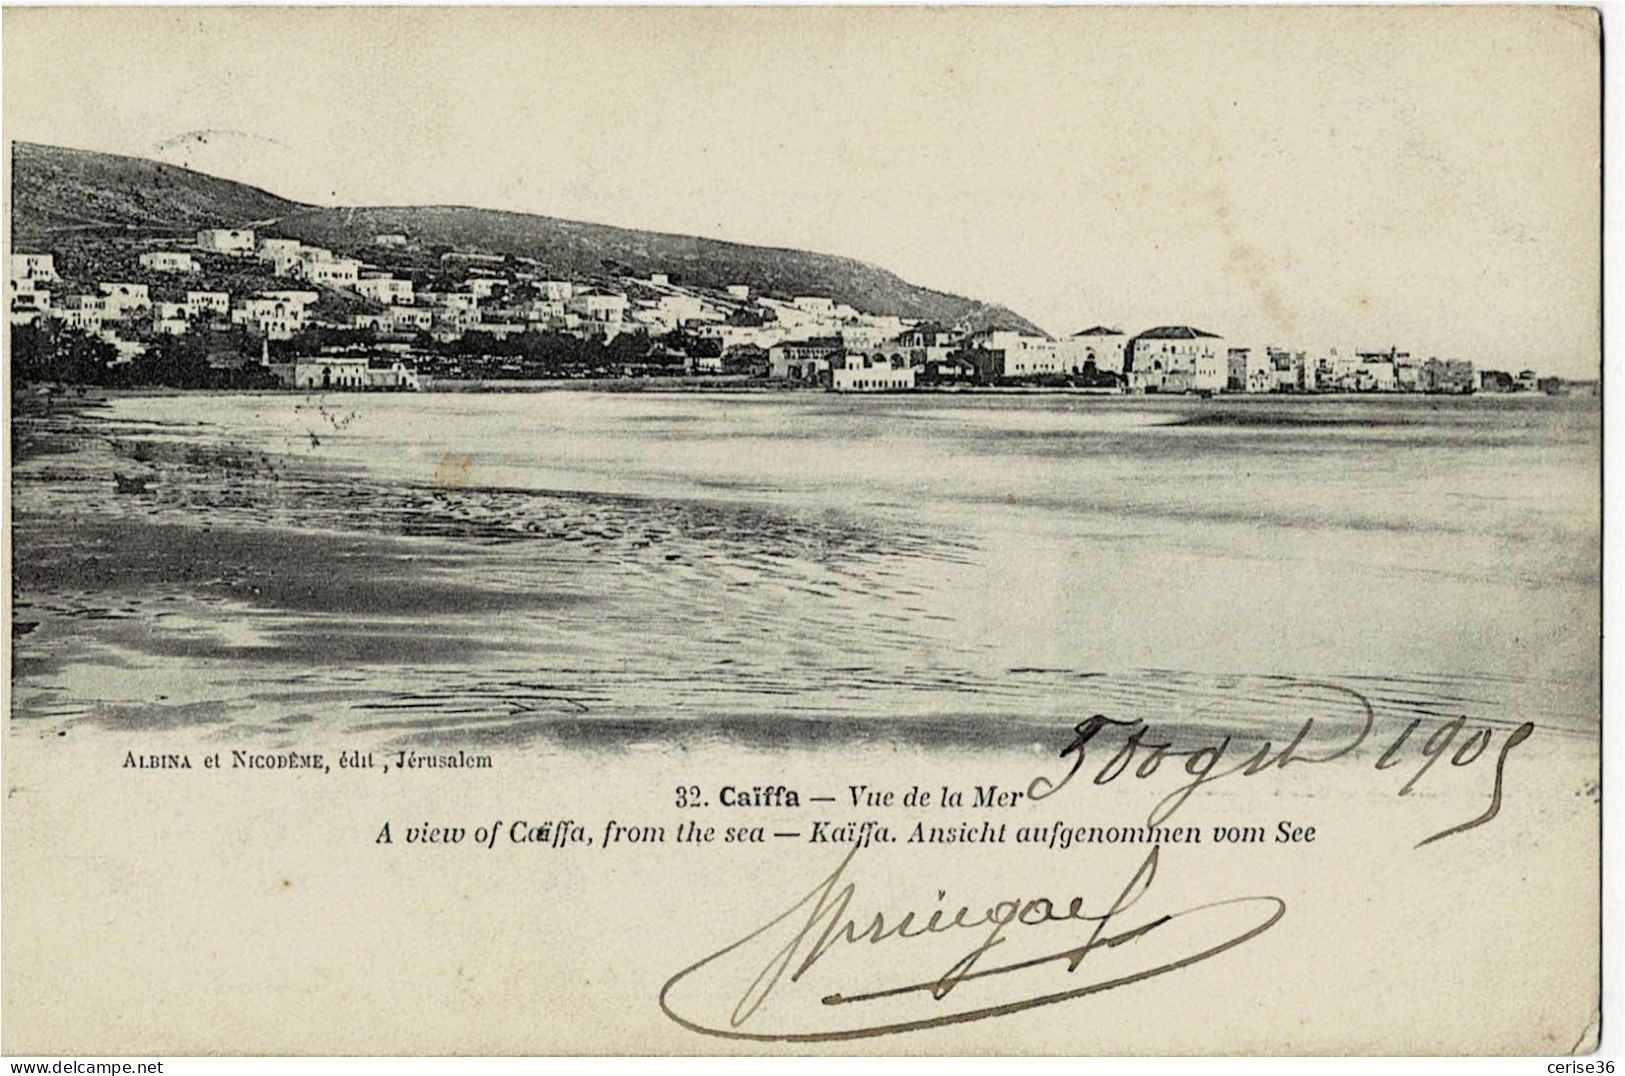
<point x="923" y="531"/>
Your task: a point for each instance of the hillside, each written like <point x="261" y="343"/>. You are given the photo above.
<point x="53" y="189"/>
<point x="575" y="249"/>
<point x="57" y="190"/>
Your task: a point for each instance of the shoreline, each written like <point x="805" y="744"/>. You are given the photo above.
<point x="756" y="387"/>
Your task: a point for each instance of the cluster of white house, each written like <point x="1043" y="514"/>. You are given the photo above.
<point x="118" y="307"/>
<point x="126" y="304"/>
<point x="1165" y="359"/>
<point x="808" y="339"/>
<point x="518" y="298"/>
<point x="499" y="296"/>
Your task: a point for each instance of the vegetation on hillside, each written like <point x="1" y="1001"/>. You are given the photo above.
<point x="54" y="188"/>
<point x="575" y="250"/>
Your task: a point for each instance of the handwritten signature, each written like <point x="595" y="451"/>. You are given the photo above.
<point x="807" y="933"/>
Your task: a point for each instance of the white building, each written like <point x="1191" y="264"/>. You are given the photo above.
<point x="729" y="336"/>
<point x="226" y="240"/>
<point x="1008" y="353"/>
<point x="84" y="312"/>
<point x="285" y="262"/>
<point x="1376" y="376"/>
<point x="33" y="267"/>
<point x="208" y="303"/>
<point x="1250" y="370"/>
<point x="389" y="239"/>
<point x="29" y="302"/>
<point x="169" y="261"/>
<point x="270" y="248"/>
<point x="858" y="372"/>
<point x="272" y="318"/>
<point x="598" y="305"/>
<point x="333" y="272"/>
<point x="392" y="375"/>
<point x="1105" y="347"/>
<point x="386" y="290"/>
<point x="1178" y="358"/>
<point x="123" y="298"/>
<point x="449" y="300"/>
<point x="408" y="319"/>
<point x="170" y="319"/>
<point x="355" y="373"/>
<point x="739" y="291"/>
<point x="860" y="336"/>
<point x="802" y="360"/>
<point x="1293" y="370"/>
<point x="323" y="372"/>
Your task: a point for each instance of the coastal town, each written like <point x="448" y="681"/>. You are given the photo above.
<point x="231" y="308"/>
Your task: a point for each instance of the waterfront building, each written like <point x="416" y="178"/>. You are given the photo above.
<point x="878" y="372"/>
<point x="1376" y="376"/>
<point x="323" y="372"/>
<point x="1008" y="353"/>
<point x="1248" y="369"/>
<point x="1447" y="376"/>
<point x="391" y="375"/>
<point x="1105" y="347"/>
<point x="803" y="360"/>
<point x="1177" y="358"/>
<point x="1293" y="372"/>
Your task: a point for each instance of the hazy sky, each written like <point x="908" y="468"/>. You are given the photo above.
<point x="1427" y="178"/>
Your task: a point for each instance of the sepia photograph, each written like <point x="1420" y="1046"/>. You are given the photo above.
<point x="923" y="531"/>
